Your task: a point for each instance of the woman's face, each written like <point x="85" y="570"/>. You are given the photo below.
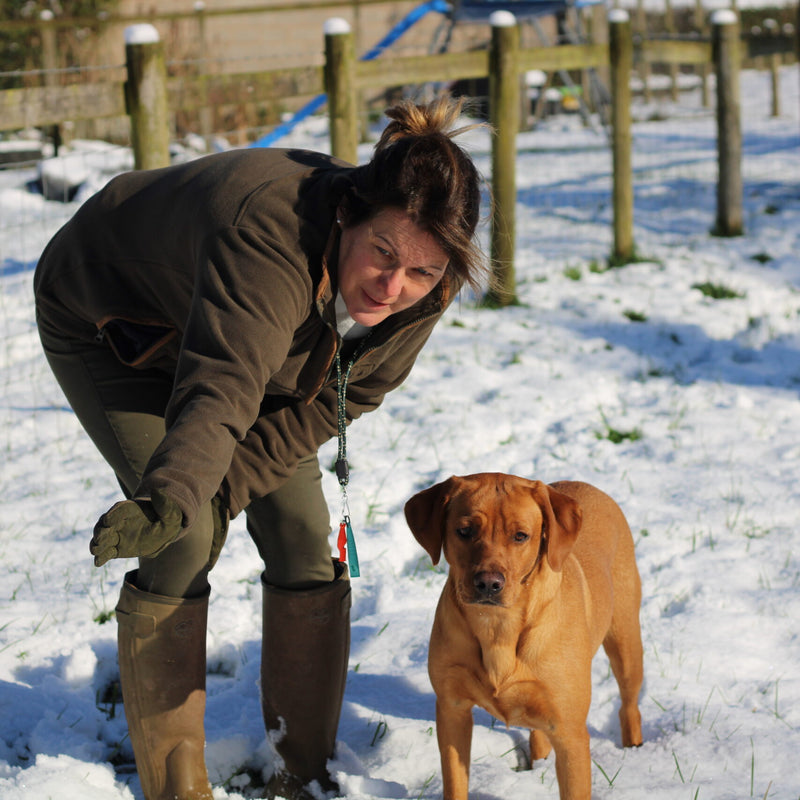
<point x="386" y="264"/>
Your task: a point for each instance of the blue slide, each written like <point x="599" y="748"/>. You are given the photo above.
<point x="394" y="34"/>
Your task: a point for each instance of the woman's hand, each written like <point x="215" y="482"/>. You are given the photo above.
<point x="136" y="528"/>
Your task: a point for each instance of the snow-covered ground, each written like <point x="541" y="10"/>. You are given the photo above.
<point x="682" y="406"/>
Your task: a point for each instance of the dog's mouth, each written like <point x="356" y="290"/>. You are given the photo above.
<point x="480" y="600"/>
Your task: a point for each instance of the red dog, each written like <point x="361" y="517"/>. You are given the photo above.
<point x="540" y="576"/>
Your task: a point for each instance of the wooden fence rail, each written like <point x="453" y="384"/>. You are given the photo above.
<point x="147" y="92"/>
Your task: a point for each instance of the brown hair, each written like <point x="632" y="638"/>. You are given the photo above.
<point x="418" y="167"/>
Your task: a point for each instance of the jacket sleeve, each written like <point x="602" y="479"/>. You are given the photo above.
<point x="289" y="431"/>
<point x="248" y="300"/>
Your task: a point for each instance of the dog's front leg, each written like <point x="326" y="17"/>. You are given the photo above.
<point x="573" y="762"/>
<point x="454" y="735"/>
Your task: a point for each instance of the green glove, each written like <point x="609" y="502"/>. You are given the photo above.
<point x="136" y="528"/>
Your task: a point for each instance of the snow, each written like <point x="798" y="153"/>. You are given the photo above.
<point x="699" y="394"/>
<point x="502" y="19"/>
<point x="336" y="26"/>
<point x="724" y="16"/>
<point x="141" y="33"/>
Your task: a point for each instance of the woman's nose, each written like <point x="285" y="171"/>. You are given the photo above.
<point x="392" y="281"/>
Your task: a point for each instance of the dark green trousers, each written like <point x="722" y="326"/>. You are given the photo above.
<point x="122" y="410"/>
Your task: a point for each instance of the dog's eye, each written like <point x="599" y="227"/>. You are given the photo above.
<point x="521" y="536"/>
<point x="465" y="532"/>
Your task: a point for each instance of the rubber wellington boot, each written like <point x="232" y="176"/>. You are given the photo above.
<point x="162" y="668"/>
<point x="304" y="654"/>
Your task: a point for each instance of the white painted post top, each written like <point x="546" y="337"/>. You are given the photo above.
<point x="724" y="16"/>
<point x="618" y="15"/>
<point x="142" y="33"/>
<point x="502" y="19"/>
<point x="335" y="26"/>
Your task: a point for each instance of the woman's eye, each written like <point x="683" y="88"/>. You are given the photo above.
<point x="521" y="536"/>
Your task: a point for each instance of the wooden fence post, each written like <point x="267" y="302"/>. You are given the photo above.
<point x="50" y="65"/>
<point x="504" y="113"/>
<point x="725" y="42"/>
<point x="205" y="114"/>
<point x="704" y="69"/>
<point x="340" y="68"/>
<point x="674" y="72"/>
<point x="774" y="63"/>
<point x="146" y="96"/>
<point x="645" y="70"/>
<point x="621" y="58"/>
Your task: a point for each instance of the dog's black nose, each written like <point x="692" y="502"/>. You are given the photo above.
<point x="489" y="584"/>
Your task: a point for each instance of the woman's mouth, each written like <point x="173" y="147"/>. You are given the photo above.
<point x="372" y="302"/>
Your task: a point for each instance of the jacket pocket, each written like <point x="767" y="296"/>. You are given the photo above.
<point x="135" y="343"/>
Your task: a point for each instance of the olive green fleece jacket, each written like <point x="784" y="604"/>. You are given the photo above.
<point x="222" y="271"/>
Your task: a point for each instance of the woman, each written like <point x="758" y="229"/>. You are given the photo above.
<point x="204" y="321"/>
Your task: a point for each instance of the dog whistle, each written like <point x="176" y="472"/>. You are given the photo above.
<point x="346" y="542"/>
<point x="352" y="561"/>
<point x="342" y="542"/>
<point x="342" y="471"/>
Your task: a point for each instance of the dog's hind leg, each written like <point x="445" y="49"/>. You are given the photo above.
<point x="623" y="645"/>
<point x="626" y="663"/>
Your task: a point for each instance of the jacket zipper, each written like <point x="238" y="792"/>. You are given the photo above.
<point x="359" y="354"/>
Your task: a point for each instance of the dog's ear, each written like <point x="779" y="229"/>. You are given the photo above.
<point x="562" y="521"/>
<point x="425" y="516"/>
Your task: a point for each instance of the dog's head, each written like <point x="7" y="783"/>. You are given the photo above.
<point x="495" y="530"/>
